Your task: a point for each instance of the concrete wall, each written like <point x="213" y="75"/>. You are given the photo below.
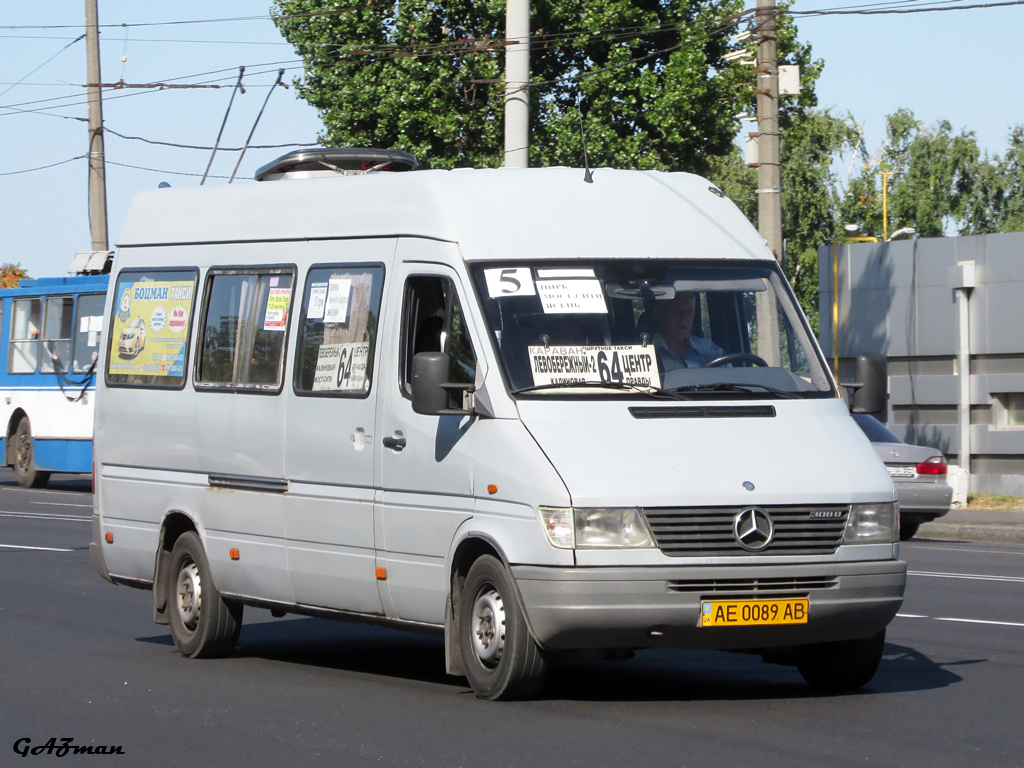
<point x="895" y="298"/>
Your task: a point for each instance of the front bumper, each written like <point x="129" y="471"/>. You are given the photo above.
<point x="645" y="607"/>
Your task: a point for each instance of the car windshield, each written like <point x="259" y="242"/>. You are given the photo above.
<point x="671" y="328"/>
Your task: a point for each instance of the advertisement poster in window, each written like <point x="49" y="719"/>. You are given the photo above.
<point x="150" y="329"/>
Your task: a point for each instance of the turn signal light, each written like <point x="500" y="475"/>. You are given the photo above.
<point x="492" y="489"/>
<point x="382" y="573"/>
<point x="109" y="537"/>
<point x="233" y="553"/>
<point x="936" y="465"/>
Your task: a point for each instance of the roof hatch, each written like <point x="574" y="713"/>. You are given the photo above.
<point x="326" y="161"/>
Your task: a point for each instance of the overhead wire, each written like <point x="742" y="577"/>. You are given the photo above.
<point x="471" y="46"/>
<point x="58" y="53"/>
<point x="44" y="167"/>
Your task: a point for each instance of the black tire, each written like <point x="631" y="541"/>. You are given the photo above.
<point x="908" y="530"/>
<point x="203" y="624"/>
<point x="501" y="659"/>
<point x="845" y="665"/>
<point x="24" y="458"/>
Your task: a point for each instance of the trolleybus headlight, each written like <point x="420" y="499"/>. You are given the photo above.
<point x="596" y="527"/>
<point x="872" y="524"/>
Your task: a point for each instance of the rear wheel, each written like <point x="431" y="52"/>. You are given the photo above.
<point x="845" y="665"/>
<point x="203" y="624"/>
<point x="501" y="659"/>
<point x="908" y="530"/>
<point x="24" y="458"/>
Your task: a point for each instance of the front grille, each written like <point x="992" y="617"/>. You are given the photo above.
<point x="766" y="586"/>
<point x="708" y="532"/>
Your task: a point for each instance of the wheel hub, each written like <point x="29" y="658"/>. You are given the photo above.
<point x="189" y="595"/>
<point x="488" y="627"/>
<point x="24" y="453"/>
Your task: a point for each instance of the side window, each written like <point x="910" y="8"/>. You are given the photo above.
<point x="25" y="325"/>
<point x="87" y="330"/>
<point x="149" y="330"/>
<point x="58" y="312"/>
<point x="244" y="327"/>
<point x="433" y="321"/>
<point x="338" y="330"/>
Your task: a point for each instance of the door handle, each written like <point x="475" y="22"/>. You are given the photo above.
<point x="395" y="443"/>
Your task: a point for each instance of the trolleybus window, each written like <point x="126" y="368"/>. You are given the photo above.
<point x="24" y="353"/>
<point x="58" y="312"/>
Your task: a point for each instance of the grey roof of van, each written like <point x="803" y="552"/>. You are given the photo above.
<point x="504" y="213"/>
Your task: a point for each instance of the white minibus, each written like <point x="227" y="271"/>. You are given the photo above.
<point x="536" y="414"/>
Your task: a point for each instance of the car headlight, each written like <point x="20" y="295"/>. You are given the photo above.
<point x="596" y="527"/>
<point x="872" y="523"/>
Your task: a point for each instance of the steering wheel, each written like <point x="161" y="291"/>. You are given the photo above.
<point x="737" y="357"/>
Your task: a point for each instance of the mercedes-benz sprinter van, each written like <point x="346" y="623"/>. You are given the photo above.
<point x="535" y="414"/>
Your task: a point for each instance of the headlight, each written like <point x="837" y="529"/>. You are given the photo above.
<point x="596" y="527"/>
<point x="872" y="524"/>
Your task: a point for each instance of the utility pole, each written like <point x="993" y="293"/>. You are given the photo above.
<point x="769" y="186"/>
<point x="517" y="81"/>
<point x="97" y="163"/>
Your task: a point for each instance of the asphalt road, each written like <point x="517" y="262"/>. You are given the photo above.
<point x="82" y="660"/>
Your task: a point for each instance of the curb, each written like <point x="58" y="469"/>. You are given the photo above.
<point x="991" y="533"/>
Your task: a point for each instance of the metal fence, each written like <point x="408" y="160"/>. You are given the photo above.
<point x="903" y="299"/>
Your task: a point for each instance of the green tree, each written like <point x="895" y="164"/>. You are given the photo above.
<point x="1010" y="169"/>
<point x="11" y="275"/>
<point x="647" y="77"/>
<point x="933" y="170"/>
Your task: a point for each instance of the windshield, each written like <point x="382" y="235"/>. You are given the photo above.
<point x="690" y="329"/>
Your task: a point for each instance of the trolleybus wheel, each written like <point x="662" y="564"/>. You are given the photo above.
<point x="24" y="458"/>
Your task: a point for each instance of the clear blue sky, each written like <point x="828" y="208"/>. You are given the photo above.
<point x="958" y="65"/>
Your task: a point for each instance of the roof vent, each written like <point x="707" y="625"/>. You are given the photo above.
<point x="323" y="161"/>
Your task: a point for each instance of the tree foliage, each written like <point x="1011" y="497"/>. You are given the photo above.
<point x="647" y="78"/>
<point x="11" y="275"/>
<point x="933" y="171"/>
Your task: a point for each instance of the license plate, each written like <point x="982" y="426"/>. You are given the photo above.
<point x="740" y="613"/>
<point x="905" y="470"/>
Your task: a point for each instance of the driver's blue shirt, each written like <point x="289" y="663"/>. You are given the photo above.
<point x="700" y="353"/>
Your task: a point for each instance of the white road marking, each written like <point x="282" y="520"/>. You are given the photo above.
<point x="1017" y="552"/>
<point x="45" y="516"/>
<point x="962" y="621"/>
<point x="61" y="504"/>
<point x="971" y="576"/>
<point x="981" y="621"/>
<point x="37" y="549"/>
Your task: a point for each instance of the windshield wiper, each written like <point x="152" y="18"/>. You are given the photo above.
<point x="644" y="389"/>
<point x="722" y="386"/>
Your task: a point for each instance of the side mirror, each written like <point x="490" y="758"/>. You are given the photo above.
<point x="872" y="384"/>
<point x="429" y="375"/>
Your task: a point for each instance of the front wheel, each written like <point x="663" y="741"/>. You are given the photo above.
<point x="203" y="624"/>
<point x="908" y="530"/>
<point x="501" y="659"/>
<point x="845" y="665"/>
<point x="25" y="460"/>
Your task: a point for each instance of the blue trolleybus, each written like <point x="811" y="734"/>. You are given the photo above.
<point x="49" y="341"/>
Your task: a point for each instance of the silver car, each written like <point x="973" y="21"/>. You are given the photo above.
<point x="918" y="472"/>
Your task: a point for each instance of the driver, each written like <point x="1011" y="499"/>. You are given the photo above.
<point x="673" y="344"/>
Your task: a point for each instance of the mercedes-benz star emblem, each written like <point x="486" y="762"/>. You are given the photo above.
<point x="753" y="529"/>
